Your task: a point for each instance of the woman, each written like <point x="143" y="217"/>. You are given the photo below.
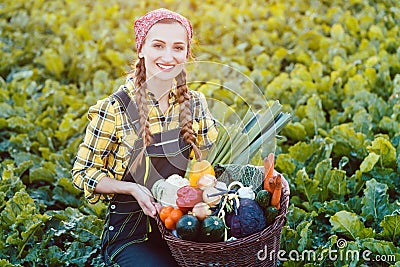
<point x="161" y="103"/>
<point x="153" y="114"/>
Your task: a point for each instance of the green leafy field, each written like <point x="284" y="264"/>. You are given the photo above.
<point x="334" y="65"/>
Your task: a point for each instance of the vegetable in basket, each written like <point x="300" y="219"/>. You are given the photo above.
<point x="170" y="216"/>
<point x="206" y="181"/>
<point x="188" y="197"/>
<point x="263" y="199"/>
<point x="275" y="188"/>
<point x="201" y="210"/>
<point x="276" y="196"/>
<point x="188" y="227"/>
<point x="248" y="220"/>
<point x="198" y="169"/>
<point x="212" y="230"/>
<point x="239" y="142"/>
<point x="246" y="192"/>
<point x="210" y="197"/>
<point x="270" y="214"/>
<point x="269" y="166"/>
<point x="165" y="190"/>
<point x="248" y="175"/>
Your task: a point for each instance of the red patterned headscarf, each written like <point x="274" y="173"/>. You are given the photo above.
<point x="143" y="24"/>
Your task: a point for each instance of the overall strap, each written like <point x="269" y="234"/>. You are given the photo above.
<point x="128" y="105"/>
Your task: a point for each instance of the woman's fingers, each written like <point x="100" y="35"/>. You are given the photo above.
<point x="158" y="206"/>
<point x="149" y="209"/>
<point x="145" y="200"/>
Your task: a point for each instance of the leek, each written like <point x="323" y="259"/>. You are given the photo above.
<point x="239" y="142"/>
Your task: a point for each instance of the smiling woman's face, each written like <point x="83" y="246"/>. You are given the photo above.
<point x="164" y="50"/>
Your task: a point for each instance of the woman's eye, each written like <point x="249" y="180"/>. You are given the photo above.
<point x="179" y="48"/>
<point x="157" y="45"/>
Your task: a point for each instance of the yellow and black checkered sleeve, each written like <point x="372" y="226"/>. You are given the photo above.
<point x="91" y="160"/>
<point x="204" y="123"/>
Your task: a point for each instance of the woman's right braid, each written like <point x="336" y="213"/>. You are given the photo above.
<point x="141" y="101"/>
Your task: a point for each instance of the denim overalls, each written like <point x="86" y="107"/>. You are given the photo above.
<point x="168" y="154"/>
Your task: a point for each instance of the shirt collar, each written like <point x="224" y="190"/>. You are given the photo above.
<point x="171" y="98"/>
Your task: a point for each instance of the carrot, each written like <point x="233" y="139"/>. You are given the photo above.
<point x="276" y="195"/>
<point x="268" y="172"/>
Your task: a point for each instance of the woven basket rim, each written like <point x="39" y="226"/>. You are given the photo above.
<point x="273" y="229"/>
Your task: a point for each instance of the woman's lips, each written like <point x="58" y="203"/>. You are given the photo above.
<point x="165" y="67"/>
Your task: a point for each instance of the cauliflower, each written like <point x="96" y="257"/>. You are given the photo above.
<point x="177" y="180"/>
<point x="164" y="190"/>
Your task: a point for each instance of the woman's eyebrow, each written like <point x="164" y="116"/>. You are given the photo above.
<point x="158" y="40"/>
<point x="180" y="42"/>
<point x="161" y="41"/>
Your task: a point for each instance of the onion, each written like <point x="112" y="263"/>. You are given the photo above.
<point x="201" y="210"/>
<point x="221" y="185"/>
<point x="207" y="180"/>
<point x="211" y="201"/>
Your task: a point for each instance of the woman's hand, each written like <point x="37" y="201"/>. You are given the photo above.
<point x="158" y="206"/>
<point x="145" y="199"/>
<point x="142" y="194"/>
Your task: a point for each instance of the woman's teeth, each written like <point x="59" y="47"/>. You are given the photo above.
<point x="166" y="67"/>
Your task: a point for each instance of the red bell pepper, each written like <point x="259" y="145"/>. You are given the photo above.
<point x="188" y="197"/>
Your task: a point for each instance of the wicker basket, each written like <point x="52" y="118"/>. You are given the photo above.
<point x="259" y="249"/>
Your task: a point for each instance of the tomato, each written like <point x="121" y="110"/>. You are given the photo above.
<point x="169" y="223"/>
<point x="176" y="214"/>
<point x="170" y="216"/>
<point x="165" y="212"/>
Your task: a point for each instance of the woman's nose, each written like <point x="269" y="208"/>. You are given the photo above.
<point x="168" y="55"/>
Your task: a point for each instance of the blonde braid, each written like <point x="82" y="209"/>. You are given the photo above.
<point x="185" y="114"/>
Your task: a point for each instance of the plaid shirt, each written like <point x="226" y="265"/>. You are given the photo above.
<point x="110" y="136"/>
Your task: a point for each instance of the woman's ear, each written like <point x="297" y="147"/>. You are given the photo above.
<point x="140" y="54"/>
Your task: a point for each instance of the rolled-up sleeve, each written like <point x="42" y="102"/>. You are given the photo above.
<point x="90" y="164"/>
